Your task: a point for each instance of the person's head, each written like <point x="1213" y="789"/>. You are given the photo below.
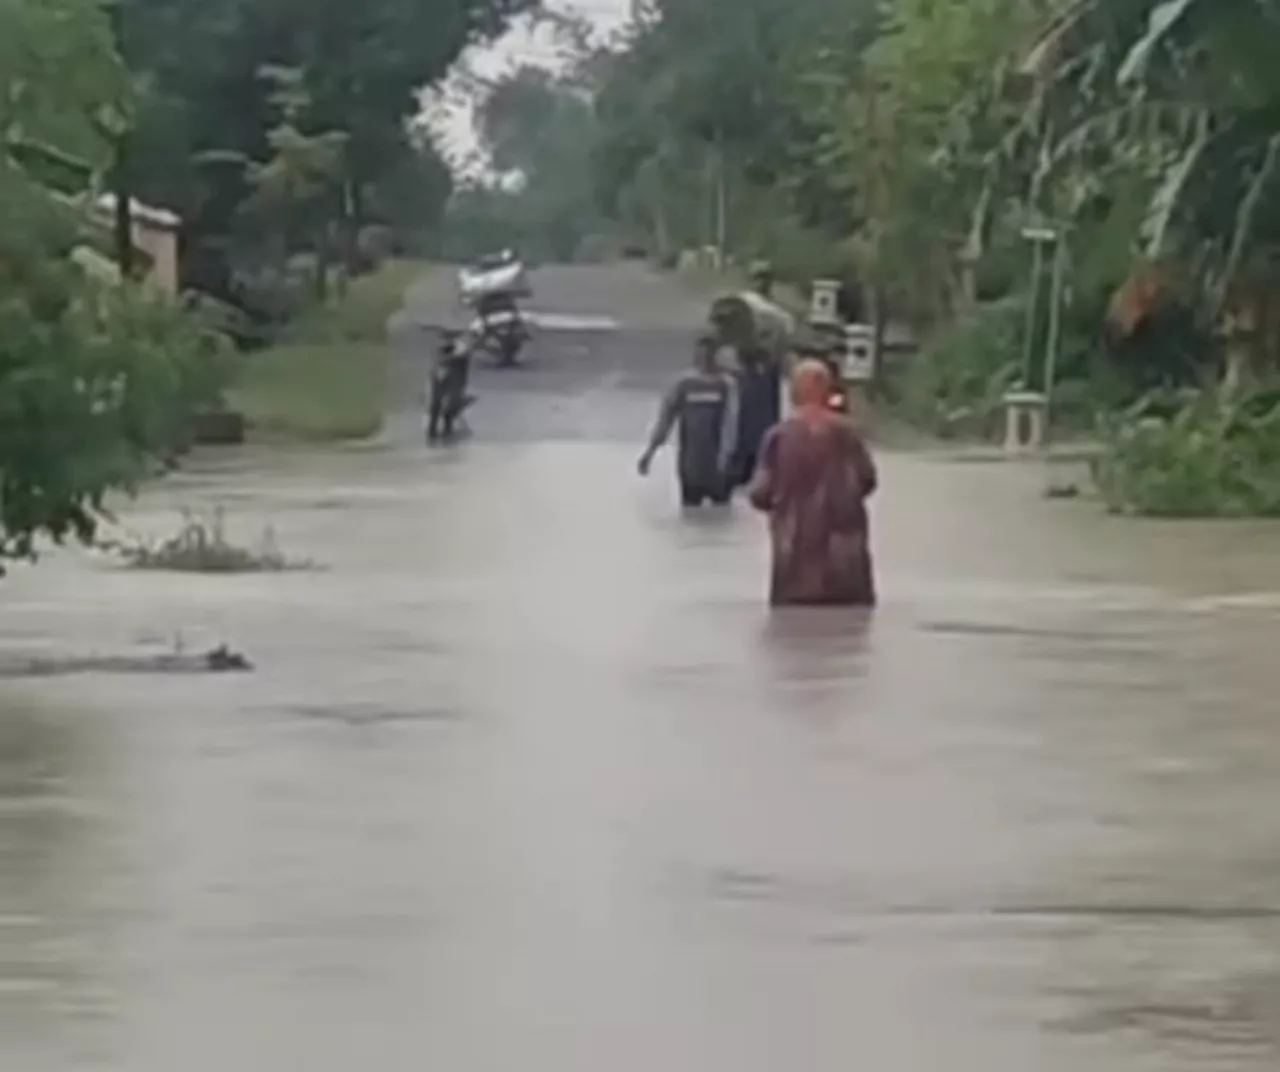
<point x="705" y="353"/>
<point x="811" y="384"/>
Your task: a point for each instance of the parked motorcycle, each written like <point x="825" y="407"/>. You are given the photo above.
<point x="492" y="288"/>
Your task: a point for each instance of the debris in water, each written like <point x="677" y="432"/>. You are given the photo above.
<point x="219" y="660"/>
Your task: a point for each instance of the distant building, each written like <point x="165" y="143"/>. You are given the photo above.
<point x="155" y="236"/>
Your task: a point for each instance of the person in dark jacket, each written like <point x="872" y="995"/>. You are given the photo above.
<point x="759" y="409"/>
<point x="703" y="403"/>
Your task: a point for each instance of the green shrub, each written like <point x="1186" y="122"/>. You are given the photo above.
<point x="954" y="385"/>
<point x="202" y="545"/>
<point x="1193" y="454"/>
<point x="360" y="313"/>
<point x="327" y="377"/>
<point x="314" y="391"/>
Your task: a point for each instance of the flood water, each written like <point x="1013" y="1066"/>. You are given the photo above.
<point x="528" y="778"/>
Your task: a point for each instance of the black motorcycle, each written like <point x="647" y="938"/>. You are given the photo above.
<point x="448" y="398"/>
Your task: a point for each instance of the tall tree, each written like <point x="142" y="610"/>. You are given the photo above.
<point x="363" y="67"/>
<point x="96" y="383"/>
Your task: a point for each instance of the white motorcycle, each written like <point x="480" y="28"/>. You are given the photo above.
<point x="492" y="288"/>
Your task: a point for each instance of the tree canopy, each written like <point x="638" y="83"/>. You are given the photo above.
<point x="276" y="125"/>
<point x="912" y="141"/>
<point x="97" y="383"/>
<point x="208" y="104"/>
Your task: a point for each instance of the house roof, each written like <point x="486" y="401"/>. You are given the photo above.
<point x="159" y="218"/>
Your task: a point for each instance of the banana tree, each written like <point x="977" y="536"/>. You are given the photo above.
<point x="1185" y="93"/>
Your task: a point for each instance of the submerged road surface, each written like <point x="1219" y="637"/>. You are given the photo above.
<point x="529" y="780"/>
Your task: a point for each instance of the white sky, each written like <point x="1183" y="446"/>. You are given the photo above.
<point x="520" y="45"/>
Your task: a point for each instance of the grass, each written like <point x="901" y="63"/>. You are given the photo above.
<point x="326" y="379"/>
<point x="361" y="314"/>
<point x="314" y="392"/>
<point x="201" y="545"/>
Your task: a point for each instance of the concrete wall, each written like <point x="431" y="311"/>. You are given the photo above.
<point x="161" y="245"/>
<point x="155" y="232"/>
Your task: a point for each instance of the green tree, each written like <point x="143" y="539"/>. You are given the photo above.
<point x="538" y="129"/>
<point x="97" y="384"/>
<point x="296" y="189"/>
<point x="365" y="63"/>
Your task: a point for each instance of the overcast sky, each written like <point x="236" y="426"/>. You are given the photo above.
<point x="521" y="45"/>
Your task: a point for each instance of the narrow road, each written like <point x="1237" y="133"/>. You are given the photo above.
<point x="528" y="778"/>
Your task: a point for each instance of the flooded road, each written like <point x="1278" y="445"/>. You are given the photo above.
<point x="528" y="778"/>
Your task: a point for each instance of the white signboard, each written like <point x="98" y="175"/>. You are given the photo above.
<point x="859" y="353"/>
<point x="823" y="302"/>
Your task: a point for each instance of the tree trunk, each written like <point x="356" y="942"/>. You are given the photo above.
<point x="123" y="219"/>
<point x="1237" y="362"/>
<point x="879" y="333"/>
<point x="661" y="228"/>
<point x="322" y="266"/>
<point x="353" y="221"/>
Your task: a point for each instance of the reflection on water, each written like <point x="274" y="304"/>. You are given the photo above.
<point x="47" y="864"/>
<point x="530" y="774"/>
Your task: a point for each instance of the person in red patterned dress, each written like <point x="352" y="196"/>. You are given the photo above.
<point x="814" y="477"/>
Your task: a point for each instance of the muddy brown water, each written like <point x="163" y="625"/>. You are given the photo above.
<point x="528" y="778"/>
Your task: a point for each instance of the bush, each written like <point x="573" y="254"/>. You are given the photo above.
<point x="327" y="380"/>
<point x="201" y="545"/>
<point x="361" y="312"/>
<point x="954" y="385"/>
<point x="99" y="388"/>
<point x="596" y="248"/>
<point x="314" y="391"/>
<point x="1191" y="454"/>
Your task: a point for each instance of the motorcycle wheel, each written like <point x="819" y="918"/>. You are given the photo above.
<point x="507" y="350"/>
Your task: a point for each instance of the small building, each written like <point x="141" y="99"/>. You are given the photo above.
<point x="155" y="235"/>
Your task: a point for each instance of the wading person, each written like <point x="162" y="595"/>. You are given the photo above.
<point x="703" y="404"/>
<point x="813" y="480"/>
<point x="759" y="408"/>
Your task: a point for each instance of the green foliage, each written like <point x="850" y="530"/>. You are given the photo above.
<point x="327" y="378"/>
<point x="708" y="107"/>
<point x="314" y="392"/>
<point x="66" y="93"/>
<point x="301" y="172"/>
<point x="98" y="384"/>
<point x="361" y="313"/>
<point x="206" y="110"/>
<point x="1199" y="454"/>
<point x="539" y="130"/>
<point x="953" y="387"/>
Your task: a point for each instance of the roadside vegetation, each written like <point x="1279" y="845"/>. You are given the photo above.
<point x="202" y="544"/>
<point x="326" y="377"/>
<point x="904" y="146"/>
<point x="287" y="139"/>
